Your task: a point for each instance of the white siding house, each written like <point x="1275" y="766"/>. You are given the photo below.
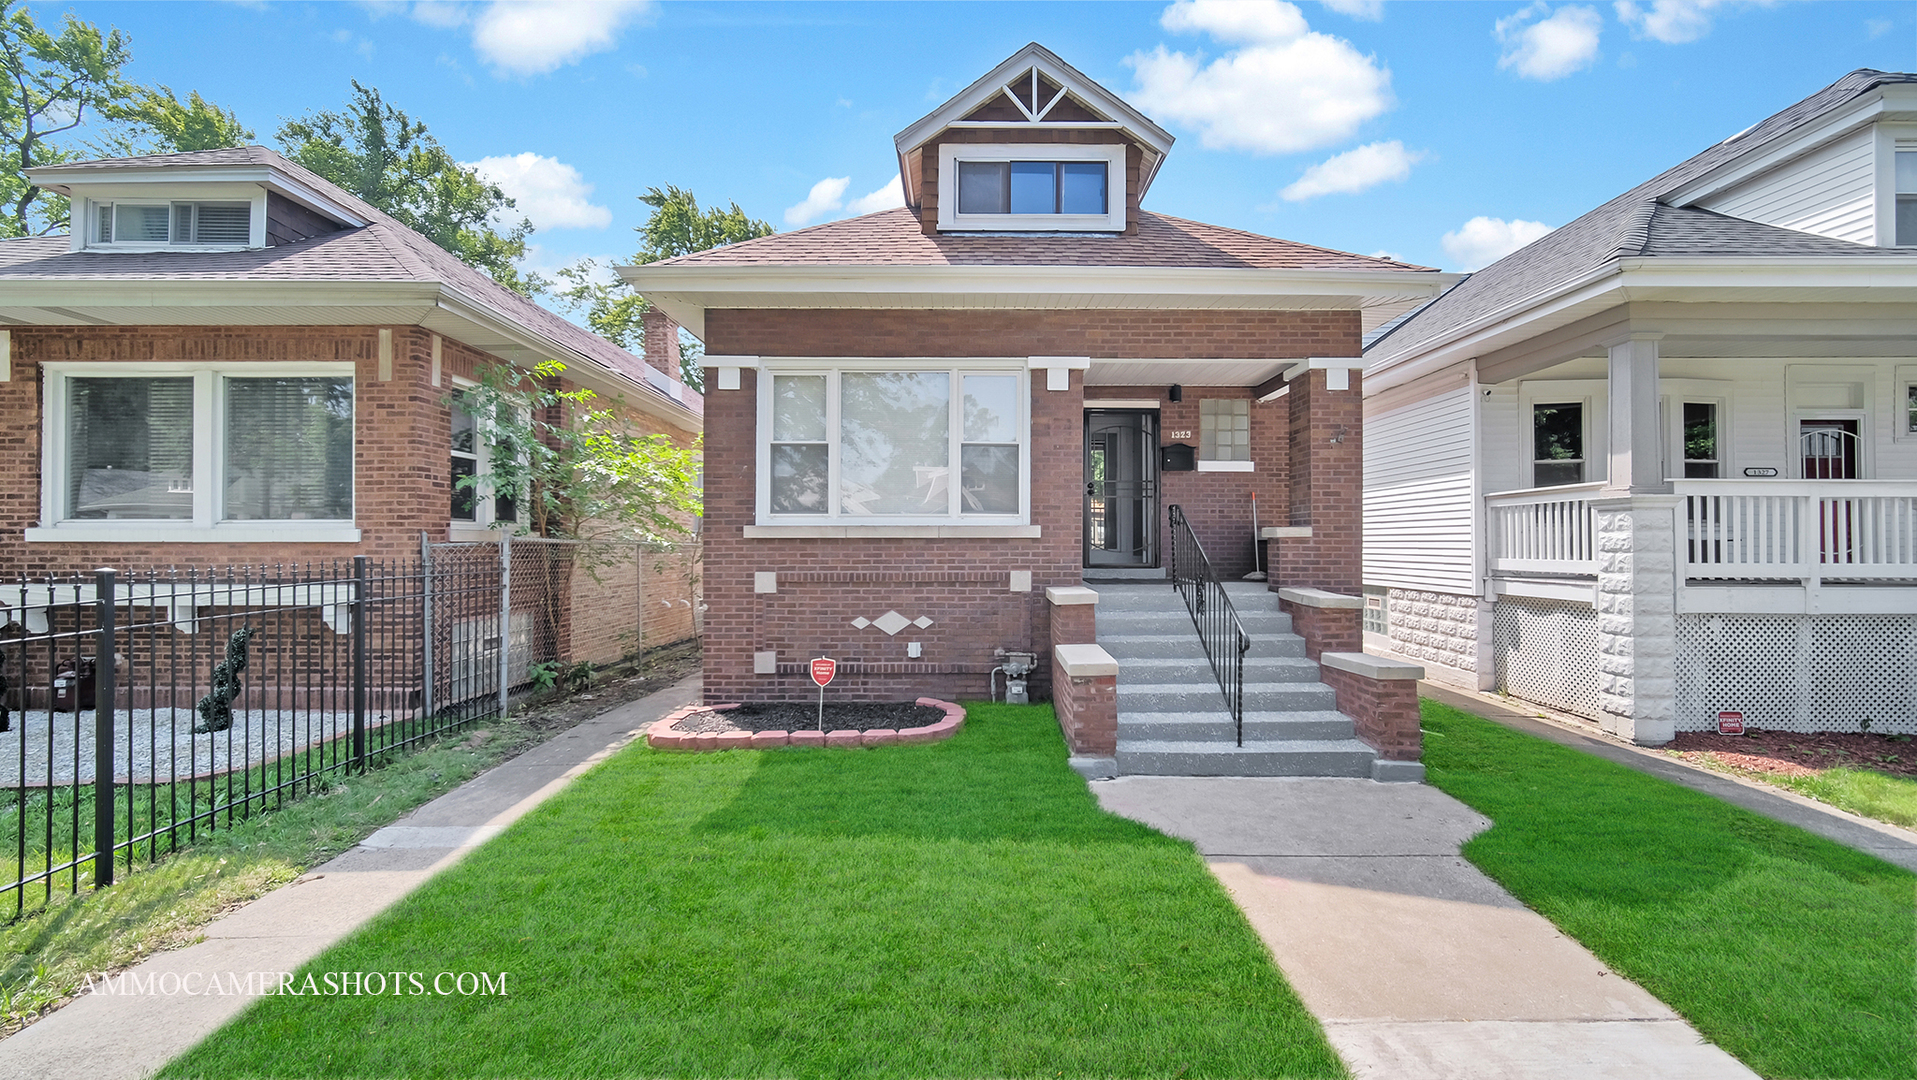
<point x="1662" y="463"/>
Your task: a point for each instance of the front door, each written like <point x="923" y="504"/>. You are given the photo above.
<point x="1830" y="449"/>
<point x="1121" y="488"/>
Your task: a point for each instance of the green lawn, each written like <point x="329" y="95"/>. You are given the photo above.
<point x="1860" y="791"/>
<point x="1791" y="952"/>
<point x="960" y="909"/>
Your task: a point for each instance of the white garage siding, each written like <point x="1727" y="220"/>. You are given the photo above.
<point x="1418" y="495"/>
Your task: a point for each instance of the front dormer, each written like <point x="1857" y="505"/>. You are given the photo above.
<point x="1033" y="147"/>
<point x="214" y="200"/>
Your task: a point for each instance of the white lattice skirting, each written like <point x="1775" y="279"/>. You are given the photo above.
<point x="1546" y="651"/>
<point x="1798" y="672"/>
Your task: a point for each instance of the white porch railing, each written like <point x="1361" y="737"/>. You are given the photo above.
<point x="1542" y="531"/>
<point x="1797" y="530"/>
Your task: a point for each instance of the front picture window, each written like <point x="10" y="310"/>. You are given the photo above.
<point x="886" y="445"/>
<point x="1557" y="434"/>
<point x="281" y="446"/>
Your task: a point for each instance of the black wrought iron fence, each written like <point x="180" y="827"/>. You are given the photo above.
<point x="139" y="709"/>
<point x="1211" y="611"/>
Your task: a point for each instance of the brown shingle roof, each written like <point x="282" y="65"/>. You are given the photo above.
<point x="384" y="251"/>
<point x="894" y="238"/>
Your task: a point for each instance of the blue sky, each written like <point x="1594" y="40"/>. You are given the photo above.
<point x="1365" y="126"/>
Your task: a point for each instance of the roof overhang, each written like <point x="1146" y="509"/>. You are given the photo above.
<point x="687" y="292"/>
<point x="1697" y="280"/>
<point x="64" y="180"/>
<point x="1155" y="141"/>
<point x="432" y="306"/>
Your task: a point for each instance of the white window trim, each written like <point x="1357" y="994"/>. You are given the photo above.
<point x="1209" y="465"/>
<point x="86" y="211"/>
<point x="1595" y="395"/>
<point x="1905" y="377"/>
<point x="837" y="524"/>
<point x="1113" y="220"/>
<point x="209" y="462"/>
<point x="1673" y="395"/>
<point x="484" y="526"/>
<point x="1890" y="139"/>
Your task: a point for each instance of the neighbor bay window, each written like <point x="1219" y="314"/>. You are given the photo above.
<point x="245" y="451"/>
<point x="919" y="446"/>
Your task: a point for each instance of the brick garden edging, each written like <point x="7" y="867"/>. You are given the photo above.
<point x="660" y="735"/>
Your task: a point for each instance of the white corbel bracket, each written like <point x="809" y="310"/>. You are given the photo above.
<point x="728" y="368"/>
<point x="1337" y="370"/>
<point x="1058" y="369"/>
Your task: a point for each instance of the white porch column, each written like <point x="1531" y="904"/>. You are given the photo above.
<point x="1635" y="444"/>
<point x="1636" y="558"/>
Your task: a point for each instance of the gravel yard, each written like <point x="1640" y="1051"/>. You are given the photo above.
<point x="163" y="745"/>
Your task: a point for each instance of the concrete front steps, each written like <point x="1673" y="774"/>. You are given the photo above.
<point x="1172" y="719"/>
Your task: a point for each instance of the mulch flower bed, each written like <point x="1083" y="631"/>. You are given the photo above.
<point x="762" y="726"/>
<point x="1793" y="753"/>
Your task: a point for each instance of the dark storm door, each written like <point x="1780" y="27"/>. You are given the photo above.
<point x="1121" y="488"/>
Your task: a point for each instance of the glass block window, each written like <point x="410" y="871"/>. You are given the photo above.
<point x="1224" y="429"/>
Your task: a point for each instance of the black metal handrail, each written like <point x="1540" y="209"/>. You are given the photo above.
<point x="1219" y="630"/>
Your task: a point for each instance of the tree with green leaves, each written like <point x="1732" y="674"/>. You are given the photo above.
<point x="153" y="120"/>
<point x="581" y="468"/>
<point x="62" y="97"/>
<point x="387" y="158"/>
<point x="50" y="85"/>
<point x="676" y="226"/>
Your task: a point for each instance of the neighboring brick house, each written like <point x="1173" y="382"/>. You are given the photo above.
<point x="922" y="419"/>
<point x="233" y="362"/>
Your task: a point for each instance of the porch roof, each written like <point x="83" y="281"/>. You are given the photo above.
<point x="1638" y="225"/>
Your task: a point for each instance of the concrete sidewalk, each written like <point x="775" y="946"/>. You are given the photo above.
<point x="1418" y="965"/>
<point x="102" y="1037"/>
<point x="1887" y="842"/>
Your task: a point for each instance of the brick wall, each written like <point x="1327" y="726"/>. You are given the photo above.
<point x="1327" y="485"/>
<point x="1087" y="713"/>
<point x="960" y="584"/>
<point x="1326" y="629"/>
<point x="1384" y="711"/>
<point x="402" y="430"/>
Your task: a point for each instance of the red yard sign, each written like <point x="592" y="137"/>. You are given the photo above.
<point x="823" y="669"/>
<point x="1730" y="723"/>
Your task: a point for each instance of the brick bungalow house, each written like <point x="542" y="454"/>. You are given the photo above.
<point x="233" y="362"/>
<point x="927" y="422"/>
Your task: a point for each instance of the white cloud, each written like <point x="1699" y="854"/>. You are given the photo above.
<point x="1553" y="46"/>
<point x="1671" y="21"/>
<point x="532" y="37"/>
<point x="439" y="13"/>
<point x="548" y="191"/>
<point x="1485" y="240"/>
<point x="1877" y="27"/>
<point x="886" y="198"/>
<point x="1368" y="10"/>
<point x="1353" y="171"/>
<point x="826" y="196"/>
<point x="1285" y="89"/>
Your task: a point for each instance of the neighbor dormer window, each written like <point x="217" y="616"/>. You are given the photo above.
<point x="1035" y="187"/>
<point x="1906" y="198"/>
<point x="179" y="224"/>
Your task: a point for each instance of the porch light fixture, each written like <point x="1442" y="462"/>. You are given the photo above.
<point x="1176" y="393"/>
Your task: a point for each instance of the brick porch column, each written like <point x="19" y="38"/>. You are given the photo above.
<point x="1084" y="682"/>
<point x="1321" y="549"/>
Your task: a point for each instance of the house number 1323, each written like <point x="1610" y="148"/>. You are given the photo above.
<point x="1178" y="434"/>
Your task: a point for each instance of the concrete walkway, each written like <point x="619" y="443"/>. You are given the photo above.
<point x="126" y="1037"/>
<point x="1418" y="965"/>
<point x="1887" y="842"/>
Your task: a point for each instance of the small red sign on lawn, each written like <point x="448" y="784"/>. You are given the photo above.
<point x="823" y="669"/>
<point x="1730" y="723"/>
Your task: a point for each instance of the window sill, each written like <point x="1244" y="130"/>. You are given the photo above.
<point x="472" y="533"/>
<point x="922" y="532"/>
<point x="238" y="532"/>
<point x="1224" y="466"/>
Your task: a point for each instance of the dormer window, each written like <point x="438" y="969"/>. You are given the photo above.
<point x="174" y="224"/>
<point x="1906" y="198"/>
<point x="1032" y="187"/>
